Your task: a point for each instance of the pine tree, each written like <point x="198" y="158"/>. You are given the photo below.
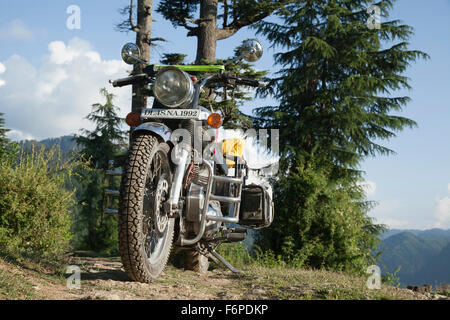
<point x="335" y="91"/>
<point x="8" y="149"/>
<point x="173" y="58"/>
<point x="230" y="15"/>
<point x="3" y="131"/>
<point x="104" y="143"/>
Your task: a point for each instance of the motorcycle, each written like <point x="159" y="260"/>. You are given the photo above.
<point x="179" y="189"/>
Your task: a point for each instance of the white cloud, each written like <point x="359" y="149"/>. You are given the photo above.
<point x="16" y="30"/>
<point x="2" y="70"/>
<point x="54" y="99"/>
<point x="442" y="213"/>
<point x="395" y="223"/>
<point x="393" y="213"/>
<point x="17" y="135"/>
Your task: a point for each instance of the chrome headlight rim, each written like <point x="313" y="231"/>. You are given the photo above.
<point x="188" y="97"/>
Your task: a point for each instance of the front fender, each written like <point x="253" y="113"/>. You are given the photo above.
<point x="160" y="129"/>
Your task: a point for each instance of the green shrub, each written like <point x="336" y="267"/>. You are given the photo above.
<point x="34" y="205"/>
<point x="391" y="279"/>
<point x="237" y="254"/>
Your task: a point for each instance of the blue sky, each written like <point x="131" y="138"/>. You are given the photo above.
<point x="50" y="72"/>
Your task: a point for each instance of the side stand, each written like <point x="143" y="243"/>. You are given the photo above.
<point x="217" y="257"/>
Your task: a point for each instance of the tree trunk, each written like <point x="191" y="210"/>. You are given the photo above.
<point x="143" y="35"/>
<point x="207" y="33"/>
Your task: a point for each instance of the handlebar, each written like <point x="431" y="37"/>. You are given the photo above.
<point x="250" y="82"/>
<point x="231" y="79"/>
<point x="129" y="80"/>
<point x="222" y="77"/>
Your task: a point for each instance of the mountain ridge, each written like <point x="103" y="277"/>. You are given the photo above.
<point x="423" y="255"/>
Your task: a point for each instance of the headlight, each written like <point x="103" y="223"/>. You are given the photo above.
<point x="173" y="87"/>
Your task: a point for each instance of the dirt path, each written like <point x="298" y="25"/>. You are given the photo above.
<point x="104" y="278"/>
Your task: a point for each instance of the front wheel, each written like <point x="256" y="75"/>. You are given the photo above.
<point x="145" y="230"/>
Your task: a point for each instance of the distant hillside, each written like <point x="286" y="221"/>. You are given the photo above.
<point x="67" y="145"/>
<point x="421" y="255"/>
<point x="431" y="233"/>
<point x="437" y="270"/>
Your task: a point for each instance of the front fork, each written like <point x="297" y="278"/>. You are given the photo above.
<point x="171" y="205"/>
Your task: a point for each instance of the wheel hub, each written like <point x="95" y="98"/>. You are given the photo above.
<point x="161" y="193"/>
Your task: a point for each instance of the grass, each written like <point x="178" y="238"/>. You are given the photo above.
<point x="14" y="287"/>
<point x="444" y="293"/>
<point x="16" y="272"/>
<point x="285" y="283"/>
<point x="259" y="282"/>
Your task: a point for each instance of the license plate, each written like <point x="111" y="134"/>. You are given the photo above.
<point x="170" y="113"/>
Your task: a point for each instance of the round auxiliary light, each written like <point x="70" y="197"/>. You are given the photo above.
<point x="173" y="87"/>
<point x="133" y="119"/>
<point x="214" y="120"/>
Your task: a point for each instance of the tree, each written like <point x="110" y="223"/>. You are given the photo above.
<point x="335" y="98"/>
<point x="320" y="222"/>
<point x="144" y="40"/>
<point x="173" y="58"/>
<point x="234" y="15"/>
<point x="106" y="142"/>
<point x="3" y="131"/>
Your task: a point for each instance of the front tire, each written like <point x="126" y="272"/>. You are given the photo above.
<point x="145" y="231"/>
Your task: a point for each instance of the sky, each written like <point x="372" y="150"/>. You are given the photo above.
<point x="51" y="74"/>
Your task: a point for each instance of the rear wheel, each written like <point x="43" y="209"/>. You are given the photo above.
<point x="145" y="230"/>
<point x="195" y="261"/>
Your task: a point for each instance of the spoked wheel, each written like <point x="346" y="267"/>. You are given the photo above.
<point x="145" y="230"/>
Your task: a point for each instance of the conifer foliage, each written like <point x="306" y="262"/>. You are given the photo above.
<point x="336" y="92"/>
<point x="105" y="142"/>
<point x="3" y="131"/>
<point x="217" y="20"/>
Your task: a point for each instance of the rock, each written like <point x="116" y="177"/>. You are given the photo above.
<point x="258" y="291"/>
<point x="421" y="289"/>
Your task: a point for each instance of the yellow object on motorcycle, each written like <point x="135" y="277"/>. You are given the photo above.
<point x="232" y="148"/>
